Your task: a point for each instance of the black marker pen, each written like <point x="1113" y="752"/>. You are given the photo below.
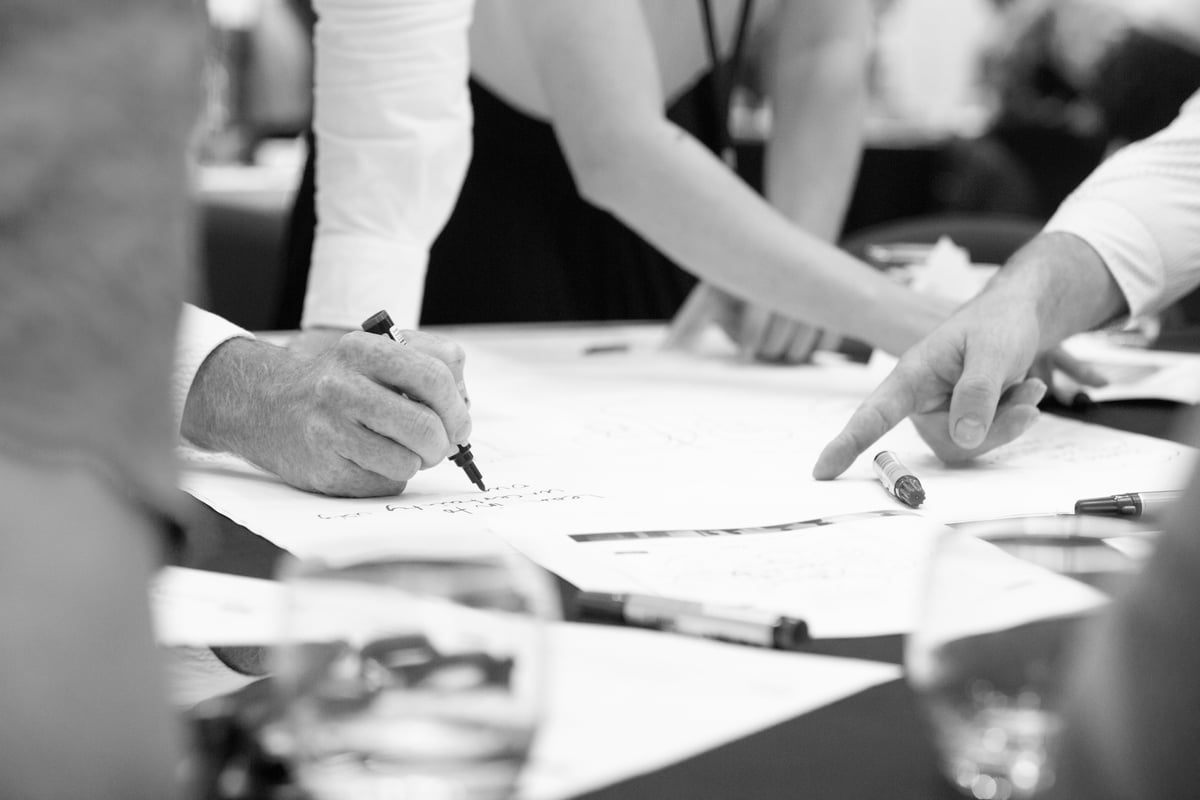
<point x="723" y="623"/>
<point x="1133" y="504"/>
<point x="381" y="323"/>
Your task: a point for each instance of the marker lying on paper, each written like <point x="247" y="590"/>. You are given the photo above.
<point x="1133" y="504"/>
<point x="1069" y="393"/>
<point x="381" y="323"/>
<point x="899" y="482"/>
<point x="724" y="623"/>
<point x="599" y="349"/>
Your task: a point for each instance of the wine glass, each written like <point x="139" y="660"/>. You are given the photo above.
<point x="1005" y="603"/>
<point x="415" y="671"/>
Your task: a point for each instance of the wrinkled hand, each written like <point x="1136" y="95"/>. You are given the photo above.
<point x="357" y="420"/>
<point x="759" y="334"/>
<point x="964" y="386"/>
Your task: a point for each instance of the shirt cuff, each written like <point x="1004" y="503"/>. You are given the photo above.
<point x="352" y="278"/>
<point x="200" y="333"/>
<point x="1124" y="244"/>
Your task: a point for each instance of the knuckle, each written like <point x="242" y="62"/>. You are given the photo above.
<point x="455" y="354"/>
<point x="355" y="343"/>
<point x="427" y="430"/>
<point x="436" y="374"/>
<point x="977" y="386"/>
<point x="328" y="385"/>
<point x="316" y="430"/>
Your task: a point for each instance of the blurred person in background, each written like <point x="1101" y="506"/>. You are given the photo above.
<point x="599" y="168"/>
<point x="1071" y="80"/>
<point x="99" y="101"/>
<point x="1131" y="726"/>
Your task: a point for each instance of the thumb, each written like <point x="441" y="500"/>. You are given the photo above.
<point x="975" y="397"/>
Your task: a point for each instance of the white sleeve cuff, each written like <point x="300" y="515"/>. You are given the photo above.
<point x="200" y="333"/>
<point x="1126" y="246"/>
<point x="352" y="277"/>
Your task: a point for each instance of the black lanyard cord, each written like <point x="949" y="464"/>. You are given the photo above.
<point x="724" y="73"/>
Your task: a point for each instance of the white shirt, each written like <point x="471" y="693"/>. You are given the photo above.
<point x="392" y="115"/>
<point x="1140" y="211"/>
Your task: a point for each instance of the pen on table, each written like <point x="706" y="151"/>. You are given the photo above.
<point x="723" y="623"/>
<point x="1133" y="504"/>
<point x="598" y="349"/>
<point x="381" y="323"/>
<point x="897" y="479"/>
<point x="1069" y="393"/>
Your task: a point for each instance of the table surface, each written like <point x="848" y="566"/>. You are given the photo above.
<point x="871" y="744"/>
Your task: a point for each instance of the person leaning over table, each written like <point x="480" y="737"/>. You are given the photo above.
<point x="99" y="99"/>
<point x="1126" y="242"/>
<point x="573" y="129"/>
<point x="355" y="414"/>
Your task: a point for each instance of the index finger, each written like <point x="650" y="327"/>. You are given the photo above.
<point x="446" y="351"/>
<point x="441" y="348"/>
<point x="890" y="403"/>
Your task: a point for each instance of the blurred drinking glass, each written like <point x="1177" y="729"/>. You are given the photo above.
<point x="1004" y="603"/>
<point x="414" y="674"/>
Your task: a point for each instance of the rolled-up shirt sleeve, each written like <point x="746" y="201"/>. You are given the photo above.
<point x="1140" y="211"/>
<point x="392" y="115"/>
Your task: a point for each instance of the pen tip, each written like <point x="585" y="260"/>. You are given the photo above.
<point x="910" y="491"/>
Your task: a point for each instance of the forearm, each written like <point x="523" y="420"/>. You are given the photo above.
<point x="1066" y="284"/>
<point x="667" y="187"/>
<point x="235" y="392"/>
<point x="818" y="98"/>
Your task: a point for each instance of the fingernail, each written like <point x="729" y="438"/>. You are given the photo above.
<point x="969" y="432"/>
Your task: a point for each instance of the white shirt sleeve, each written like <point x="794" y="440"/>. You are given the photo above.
<point x="392" y="115"/>
<point x="200" y="333"/>
<point x="1140" y="211"/>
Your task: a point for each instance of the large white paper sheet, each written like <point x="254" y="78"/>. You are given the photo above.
<point x="619" y="702"/>
<point x="642" y="440"/>
<point x="627" y="702"/>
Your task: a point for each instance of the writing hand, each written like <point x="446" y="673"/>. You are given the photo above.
<point x="312" y="342"/>
<point x="357" y="420"/>
<point x="759" y="334"/>
<point x="963" y="385"/>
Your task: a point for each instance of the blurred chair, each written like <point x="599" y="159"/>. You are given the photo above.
<point x="990" y="239"/>
<point x="240" y="248"/>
